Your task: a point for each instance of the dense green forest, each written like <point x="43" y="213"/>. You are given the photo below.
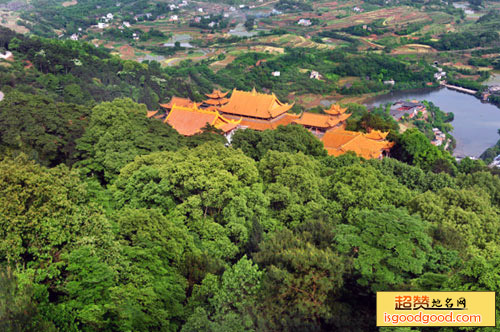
<point x="150" y="232"/>
<point x="110" y="221"/>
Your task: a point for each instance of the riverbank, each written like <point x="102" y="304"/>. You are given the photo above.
<point x="475" y="123"/>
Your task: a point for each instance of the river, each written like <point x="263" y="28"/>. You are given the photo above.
<point x="475" y="124"/>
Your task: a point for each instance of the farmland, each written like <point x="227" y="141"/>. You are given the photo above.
<point x="217" y="34"/>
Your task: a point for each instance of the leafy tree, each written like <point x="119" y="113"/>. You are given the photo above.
<point x="292" y="138"/>
<point x="231" y="301"/>
<point x="295" y="188"/>
<point x="17" y="311"/>
<point x="42" y="211"/>
<point x="414" y="148"/>
<point x="387" y="246"/>
<point x="300" y="283"/>
<point x="356" y="187"/>
<point x="460" y="217"/>
<point x="41" y="128"/>
<point x="118" y="132"/>
<point x="214" y="190"/>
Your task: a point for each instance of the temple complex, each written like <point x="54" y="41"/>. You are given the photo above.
<point x="261" y="111"/>
<point x="191" y="120"/>
<point x="258" y="111"/>
<point x="369" y="146"/>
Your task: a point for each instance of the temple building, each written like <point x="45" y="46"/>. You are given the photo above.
<point x="215" y="100"/>
<point x="369" y="146"/>
<point x="189" y="121"/>
<point x="336" y="110"/>
<point x="319" y="124"/>
<point x="258" y="111"/>
<point x="165" y="108"/>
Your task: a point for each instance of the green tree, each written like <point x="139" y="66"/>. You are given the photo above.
<point x="41" y="128"/>
<point x="228" y="304"/>
<point x="291" y="138"/>
<point x="118" y="132"/>
<point x="386" y="246"/>
<point x="300" y="284"/>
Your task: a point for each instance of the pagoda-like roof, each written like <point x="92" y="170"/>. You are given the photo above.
<point x="377" y="135"/>
<point x="216" y="94"/>
<point x="216" y="102"/>
<point x="190" y="120"/>
<point x="183" y="102"/>
<point x="338" y="142"/>
<point x="264" y="124"/>
<point x="255" y="105"/>
<point x="336" y="109"/>
<point x="320" y="120"/>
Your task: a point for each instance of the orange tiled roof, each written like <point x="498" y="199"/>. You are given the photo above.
<point x="255" y="105"/>
<point x="262" y="124"/>
<point x="320" y="120"/>
<point x="377" y="135"/>
<point x="150" y="114"/>
<point x="216" y="102"/>
<point x="183" y="102"/>
<point x="190" y="120"/>
<point x="335" y="109"/>
<point x="216" y="94"/>
<point x="337" y="142"/>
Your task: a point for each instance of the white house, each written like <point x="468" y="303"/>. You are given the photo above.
<point x="74" y="37"/>
<point x="315" y="75"/>
<point x="126" y="24"/>
<point x="200" y="10"/>
<point x="276" y="73"/>
<point x="304" y="22"/>
<point x="102" y="25"/>
<point x="174" y="18"/>
<point x="7" y="55"/>
<point x="109" y="16"/>
<point x="211" y="24"/>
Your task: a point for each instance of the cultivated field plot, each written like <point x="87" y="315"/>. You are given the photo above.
<point x="9" y="20"/>
<point x="69" y="3"/>
<point x="292" y="41"/>
<point x="413" y="48"/>
<point x="333" y="5"/>
<point x="392" y="17"/>
<point x="218" y="65"/>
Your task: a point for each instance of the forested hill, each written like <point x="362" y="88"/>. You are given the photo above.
<point x="79" y="72"/>
<point x="110" y="221"/>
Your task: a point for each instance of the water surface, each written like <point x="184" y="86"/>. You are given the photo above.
<point x="475" y="123"/>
